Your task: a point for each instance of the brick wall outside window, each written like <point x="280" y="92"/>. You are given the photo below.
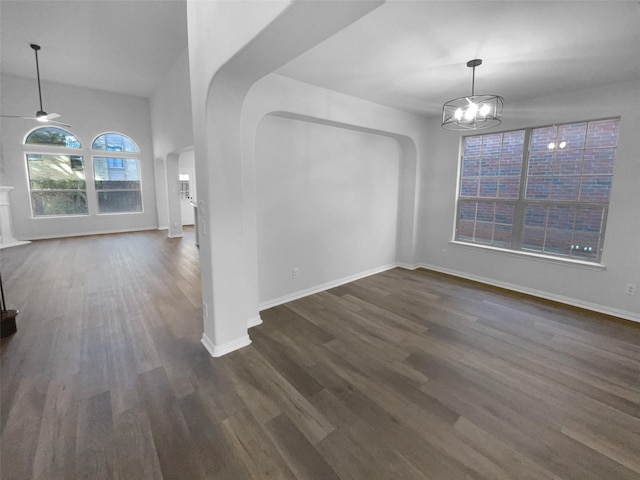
<point x="542" y="190"/>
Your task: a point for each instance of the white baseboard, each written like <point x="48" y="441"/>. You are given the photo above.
<point x="634" y="317"/>
<point x="14" y="243"/>
<point x="84" y="234"/>
<point x="407" y="266"/>
<point x="321" y="288"/>
<point x="254" y="322"/>
<point x="220" y="350"/>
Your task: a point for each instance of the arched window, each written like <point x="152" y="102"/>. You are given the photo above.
<point x="52" y="136"/>
<point x="117" y="175"/>
<point x="114" y="142"/>
<point x="56" y="179"/>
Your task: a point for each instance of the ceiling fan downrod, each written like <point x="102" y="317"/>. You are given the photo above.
<point x="41" y="112"/>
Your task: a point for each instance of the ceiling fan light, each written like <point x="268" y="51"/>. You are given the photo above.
<point x="41" y="115"/>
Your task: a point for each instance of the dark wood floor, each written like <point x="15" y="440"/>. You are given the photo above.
<point x="402" y="375"/>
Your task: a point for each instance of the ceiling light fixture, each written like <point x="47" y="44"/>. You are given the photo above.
<point x="475" y="112"/>
<point x="41" y="115"/>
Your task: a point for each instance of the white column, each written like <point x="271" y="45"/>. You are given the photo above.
<point x="6" y="233"/>
<point x="226" y="199"/>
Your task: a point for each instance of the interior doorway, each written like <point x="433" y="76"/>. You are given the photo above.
<point x="186" y="196"/>
<point x="187" y="186"/>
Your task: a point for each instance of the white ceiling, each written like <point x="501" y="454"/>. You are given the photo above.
<point x="119" y="46"/>
<point x="412" y="55"/>
<point x="406" y="54"/>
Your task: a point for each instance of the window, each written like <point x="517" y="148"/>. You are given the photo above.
<point x="57" y="184"/>
<point x="56" y="178"/>
<point x="114" y="142"/>
<point x="117" y="178"/>
<point x="115" y="162"/>
<point x="550" y="198"/>
<point x="52" y="136"/>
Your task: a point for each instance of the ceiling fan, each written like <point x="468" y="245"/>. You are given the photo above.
<point x="41" y="115"/>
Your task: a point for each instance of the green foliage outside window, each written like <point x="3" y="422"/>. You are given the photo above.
<point x="63" y="184"/>
<point x="58" y="185"/>
<point x="52" y="136"/>
<point x="58" y="203"/>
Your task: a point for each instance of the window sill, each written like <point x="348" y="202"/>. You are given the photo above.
<point x="118" y="213"/>
<point x="62" y="215"/>
<point x="534" y="256"/>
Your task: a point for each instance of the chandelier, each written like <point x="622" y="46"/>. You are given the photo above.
<point x="474" y="112"/>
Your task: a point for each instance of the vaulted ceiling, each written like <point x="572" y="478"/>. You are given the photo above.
<point x="406" y="54"/>
<point x="123" y="46"/>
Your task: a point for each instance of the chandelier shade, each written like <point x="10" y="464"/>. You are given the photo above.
<point x="473" y="112"/>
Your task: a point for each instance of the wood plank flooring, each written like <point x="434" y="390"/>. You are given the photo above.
<point x="402" y="375"/>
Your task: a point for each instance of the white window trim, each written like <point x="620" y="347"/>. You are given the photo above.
<point x="595" y="264"/>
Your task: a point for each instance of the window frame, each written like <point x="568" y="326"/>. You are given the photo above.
<point x="54" y="150"/>
<point x="116" y="154"/>
<point x="521" y="202"/>
<point x="135" y="145"/>
<point x="52" y="145"/>
<point x="70" y="152"/>
<point x="87" y="154"/>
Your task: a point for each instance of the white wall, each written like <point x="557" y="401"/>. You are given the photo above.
<point x="170" y="106"/>
<point x="595" y="288"/>
<point x="90" y="112"/>
<point x="327" y="204"/>
<point x="172" y="129"/>
<point x="325" y="123"/>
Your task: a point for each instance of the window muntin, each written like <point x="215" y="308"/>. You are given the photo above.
<point x="486" y="222"/>
<point x="57" y="184"/>
<point x="117" y="184"/>
<point x="553" y="200"/>
<point x="114" y="142"/>
<point x="52" y="136"/>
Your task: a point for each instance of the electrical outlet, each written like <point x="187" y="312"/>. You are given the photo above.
<point x="444" y="252"/>
<point x="295" y="273"/>
<point x="630" y="289"/>
<point x="206" y="309"/>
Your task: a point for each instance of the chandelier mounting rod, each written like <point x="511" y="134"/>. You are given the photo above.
<point x="473" y="64"/>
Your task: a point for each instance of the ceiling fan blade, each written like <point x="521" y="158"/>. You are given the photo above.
<point x="41" y="115"/>
<point x="43" y="120"/>
<point x="17" y="116"/>
<point x="59" y="123"/>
